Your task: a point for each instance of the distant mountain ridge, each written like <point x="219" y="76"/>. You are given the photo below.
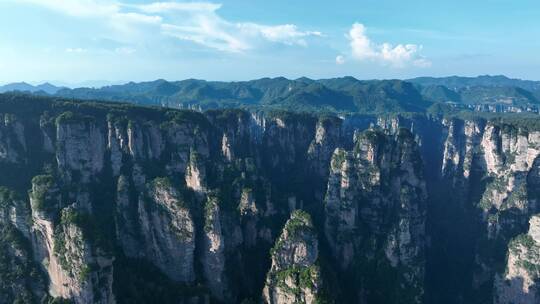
<point x="479" y="90"/>
<point x="344" y="94"/>
<point x="26" y="87"/>
<point x="459" y="82"/>
<point x="338" y="94"/>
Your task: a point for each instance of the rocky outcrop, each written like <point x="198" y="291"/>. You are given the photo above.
<point x="492" y="169"/>
<point x="168" y="230"/>
<point x="14" y="211"/>
<point x="80" y="147"/>
<point x="286" y="140"/>
<point x="461" y="145"/>
<point x="376" y="198"/>
<point x="77" y="269"/>
<point x="519" y="283"/>
<point x="214" y="250"/>
<point x="294" y="276"/>
<point x="21" y="279"/>
<point x="196" y="174"/>
<point x="327" y="139"/>
<point x="12" y="140"/>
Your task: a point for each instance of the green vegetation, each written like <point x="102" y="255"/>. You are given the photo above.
<point x="20" y="276"/>
<point x="375" y="137"/>
<point x="524" y="240"/>
<point x="85" y="273"/>
<point x="71" y="117"/>
<point x="162" y="182"/>
<point x="338" y="158"/>
<point x="528" y="251"/>
<point x="299" y="228"/>
<point x="329" y="95"/>
<point x="304" y="106"/>
<point x="209" y="212"/>
<point x="306" y="277"/>
<point x="7" y="197"/>
<point x="41" y="185"/>
<point x="299" y="221"/>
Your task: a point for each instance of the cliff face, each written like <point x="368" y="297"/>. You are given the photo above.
<point x="12" y="139"/>
<point x="105" y="203"/>
<point x="375" y="207"/>
<point x="493" y="172"/>
<point x="294" y="276"/>
<point x="519" y="284"/>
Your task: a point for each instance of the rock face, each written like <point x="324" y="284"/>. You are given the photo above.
<point x="12" y="143"/>
<point x="73" y="264"/>
<point x="214" y="250"/>
<point x="492" y="168"/>
<point x="21" y="279"/>
<point x="461" y="145"/>
<point x="80" y="148"/>
<point x="105" y="203"/>
<point x="168" y="231"/>
<point x="327" y="139"/>
<point x="294" y="276"/>
<point x="519" y="284"/>
<point x="375" y="210"/>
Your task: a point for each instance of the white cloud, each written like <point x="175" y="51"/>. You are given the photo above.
<point x="137" y="18"/>
<point x="399" y="56"/>
<point x="207" y="28"/>
<point x="286" y="33"/>
<point x="161" y="7"/>
<point x="76" y="50"/>
<point x="197" y="22"/>
<point x="340" y="59"/>
<point x="207" y="35"/>
<point x="77" y="8"/>
<point x="125" y="50"/>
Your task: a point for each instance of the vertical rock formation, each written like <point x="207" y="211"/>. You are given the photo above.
<point x="490" y="169"/>
<point x="168" y="230"/>
<point x="509" y="197"/>
<point x="375" y="214"/>
<point x="294" y="276"/>
<point x="12" y="143"/>
<point x="327" y="139"/>
<point x="213" y="259"/>
<point x="80" y="147"/>
<point x="520" y="282"/>
<point x="461" y="145"/>
<point x="77" y="269"/>
<point x="196" y="174"/>
<point x="175" y="205"/>
<point x="21" y="280"/>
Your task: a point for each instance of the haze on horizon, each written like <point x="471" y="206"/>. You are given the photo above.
<point x="74" y="41"/>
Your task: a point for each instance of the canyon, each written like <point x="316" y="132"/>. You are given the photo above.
<point x="117" y="203"/>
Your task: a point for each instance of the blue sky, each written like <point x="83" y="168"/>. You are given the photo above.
<point x="73" y="41"/>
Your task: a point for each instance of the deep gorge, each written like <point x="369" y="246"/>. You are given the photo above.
<point x="110" y="202"/>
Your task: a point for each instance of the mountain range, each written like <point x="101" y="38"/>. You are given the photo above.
<point x="342" y="95"/>
<point x="25" y="87"/>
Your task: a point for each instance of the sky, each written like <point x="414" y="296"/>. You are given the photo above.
<point x="73" y="42"/>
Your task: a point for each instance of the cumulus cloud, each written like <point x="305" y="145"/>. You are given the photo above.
<point x="399" y="56"/>
<point x="340" y="59"/>
<point x="197" y="22"/>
